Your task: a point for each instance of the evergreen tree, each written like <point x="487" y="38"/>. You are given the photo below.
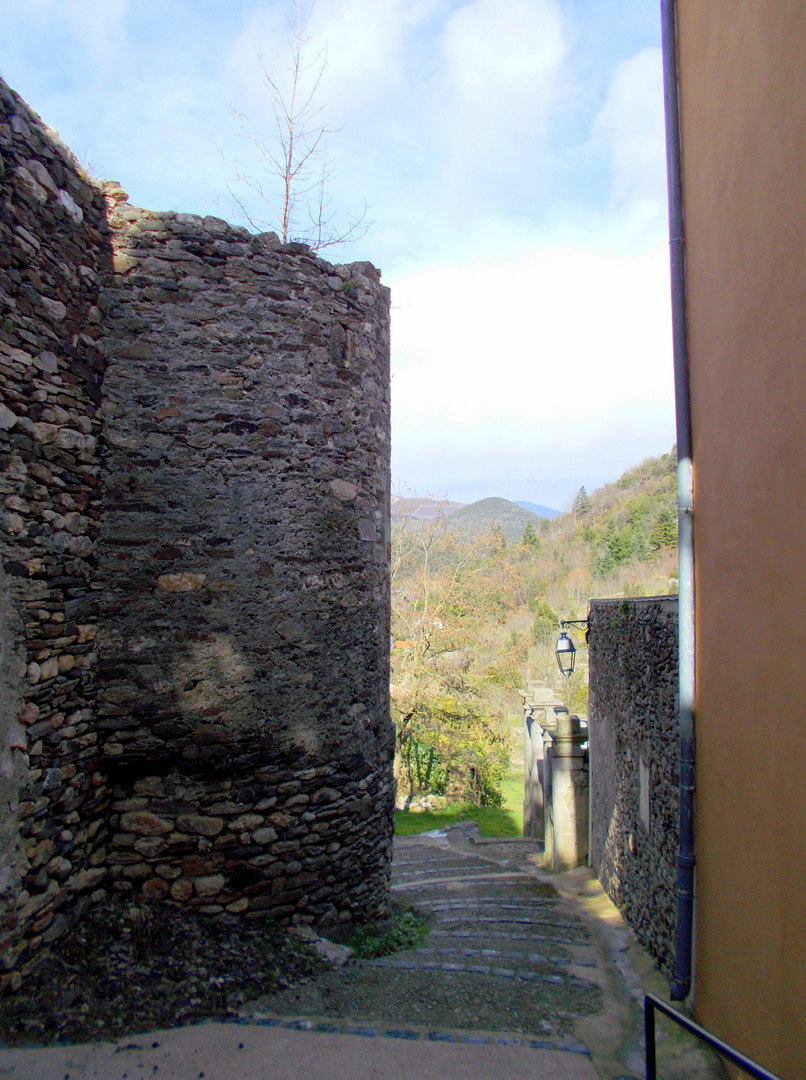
<point x="664" y="530"/>
<point x="618" y="542"/>
<point x="602" y="563"/>
<point x="581" y="504"/>
<point x="545" y="625"/>
<point x="530" y="537"/>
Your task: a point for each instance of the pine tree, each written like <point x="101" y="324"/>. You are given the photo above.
<point x="581" y="504"/>
<point x="664" y="530"/>
<point x="618" y="542"/>
<point x="530" y="537"/>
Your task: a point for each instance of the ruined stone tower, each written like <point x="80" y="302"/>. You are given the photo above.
<point x="194" y="467"/>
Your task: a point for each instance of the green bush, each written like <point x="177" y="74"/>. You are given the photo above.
<point x="405" y="930"/>
<point x="451" y="748"/>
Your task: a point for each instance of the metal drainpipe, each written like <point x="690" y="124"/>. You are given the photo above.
<point x="681" y="985"/>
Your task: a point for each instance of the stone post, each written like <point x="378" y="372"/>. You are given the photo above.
<point x="527" y="769"/>
<point x="539" y="722"/>
<point x="532" y="766"/>
<point x="549" y="726"/>
<point x="569" y="794"/>
<point x="538" y="807"/>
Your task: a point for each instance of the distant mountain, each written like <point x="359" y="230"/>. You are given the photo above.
<point x="422" y="509"/>
<point x="487" y="514"/>
<point x="541" y="511"/>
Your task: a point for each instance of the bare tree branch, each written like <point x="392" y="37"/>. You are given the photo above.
<point x="298" y="168"/>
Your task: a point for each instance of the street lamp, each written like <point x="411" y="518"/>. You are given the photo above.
<point x="565" y="651"/>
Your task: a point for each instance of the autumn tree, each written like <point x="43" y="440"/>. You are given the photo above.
<point x="447" y="599"/>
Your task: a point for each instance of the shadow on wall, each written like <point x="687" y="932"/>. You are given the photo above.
<point x="231" y="825"/>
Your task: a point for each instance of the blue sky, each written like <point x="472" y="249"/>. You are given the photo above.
<point x="511" y="154"/>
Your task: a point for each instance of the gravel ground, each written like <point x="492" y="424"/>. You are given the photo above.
<point x="126" y="969"/>
<point x="495" y="959"/>
<point x="504" y="954"/>
<point x="442" y="1002"/>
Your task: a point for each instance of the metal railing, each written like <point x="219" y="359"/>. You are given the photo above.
<point x="651" y="1003"/>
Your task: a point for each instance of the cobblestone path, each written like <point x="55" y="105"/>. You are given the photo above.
<point x="506" y="962"/>
<point x="543" y="983"/>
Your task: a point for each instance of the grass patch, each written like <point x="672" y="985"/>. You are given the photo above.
<point x="512" y="790"/>
<point x="405" y="930"/>
<point x="492" y="821"/>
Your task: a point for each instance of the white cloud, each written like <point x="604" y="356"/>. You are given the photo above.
<point x="96" y="27"/>
<point x="499" y="51"/>
<point x="263" y="33"/>
<point x="502" y="66"/>
<point x="492" y="338"/>
<point x="500" y="362"/>
<point x="368" y="47"/>
<point x="631" y="126"/>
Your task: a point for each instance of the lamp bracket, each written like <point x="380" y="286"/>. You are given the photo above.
<point x="576" y="622"/>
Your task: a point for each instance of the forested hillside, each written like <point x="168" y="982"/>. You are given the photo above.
<point x="476" y="615"/>
<point x="492" y="516"/>
<point x="618" y="541"/>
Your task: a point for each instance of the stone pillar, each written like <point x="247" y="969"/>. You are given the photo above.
<point x="533" y="788"/>
<point x="549" y="726"/>
<point x="539" y="721"/>
<point x="527" y="768"/>
<point x="537" y="795"/>
<point x="569" y="794"/>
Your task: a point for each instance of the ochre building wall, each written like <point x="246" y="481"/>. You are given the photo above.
<point x="743" y="101"/>
<point x="194" y="607"/>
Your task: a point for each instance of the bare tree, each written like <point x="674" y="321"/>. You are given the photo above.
<point x="298" y="167"/>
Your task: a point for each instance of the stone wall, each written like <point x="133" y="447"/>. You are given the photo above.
<point x="54" y="252"/>
<point x="243" y="557"/>
<point x="194" y="430"/>
<point x="634" y="755"/>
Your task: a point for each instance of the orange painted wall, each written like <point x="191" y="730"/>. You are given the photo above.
<point x="743" y="103"/>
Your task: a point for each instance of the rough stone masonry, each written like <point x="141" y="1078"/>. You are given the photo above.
<point x="194" y="611"/>
<point x="635" y="763"/>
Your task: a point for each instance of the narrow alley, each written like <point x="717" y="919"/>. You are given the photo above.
<point x="521" y="972"/>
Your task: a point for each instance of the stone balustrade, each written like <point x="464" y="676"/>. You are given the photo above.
<point x="556" y="779"/>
